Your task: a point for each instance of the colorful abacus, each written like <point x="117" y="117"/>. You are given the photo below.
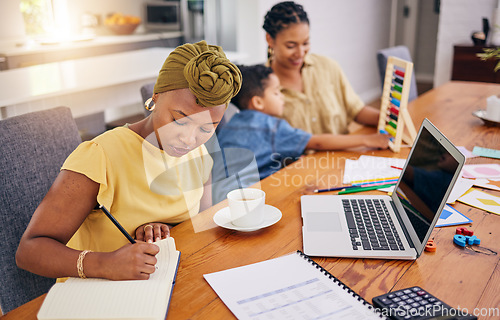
<point x="393" y="113"/>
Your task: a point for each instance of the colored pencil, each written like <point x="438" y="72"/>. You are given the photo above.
<point x="374" y="183"/>
<point x="375" y="180"/>
<point x="361" y="189"/>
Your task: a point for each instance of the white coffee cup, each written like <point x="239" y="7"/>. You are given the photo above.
<point x="246" y="207"/>
<point x="493" y="108"/>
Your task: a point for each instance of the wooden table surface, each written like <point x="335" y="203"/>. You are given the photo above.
<point x="460" y="277"/>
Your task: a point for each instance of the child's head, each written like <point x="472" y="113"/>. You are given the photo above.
<point x="260" y="90"/>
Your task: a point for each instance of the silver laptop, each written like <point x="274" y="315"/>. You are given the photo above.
<point x="386" y="227"/>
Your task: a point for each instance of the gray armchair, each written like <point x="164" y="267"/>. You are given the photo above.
<point x="33" y="147"/>
<point x="400" y="52"/>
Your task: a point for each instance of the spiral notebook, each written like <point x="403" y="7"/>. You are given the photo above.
<point x="288" y="287"/>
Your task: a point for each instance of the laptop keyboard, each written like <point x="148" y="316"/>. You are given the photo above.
<point x="370" y="225"/>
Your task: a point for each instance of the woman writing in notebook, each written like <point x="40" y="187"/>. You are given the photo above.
<point x="318" y="97"/>
<point x="148" y="175"/>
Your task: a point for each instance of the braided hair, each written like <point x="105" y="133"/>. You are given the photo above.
<point x="282" y="15"/>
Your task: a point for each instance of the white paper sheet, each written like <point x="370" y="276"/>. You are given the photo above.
<point x="467" y="153"/>
<point x="369" y="167"/>
<point x="450" y="217"/>
<point x="287" y="287"/>
<point x="493" y="184"/>
<point x="482" y="200"/>
<point x="460" y="187"/>
<point x="488" y="171"/>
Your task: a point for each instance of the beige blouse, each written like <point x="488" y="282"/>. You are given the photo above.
<point x="328" y="103"/>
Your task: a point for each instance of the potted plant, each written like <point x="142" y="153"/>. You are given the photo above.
<point x="491" y="53"/>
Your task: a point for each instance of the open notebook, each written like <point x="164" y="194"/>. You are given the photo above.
<point x="288" y="287"/>
<point x="106" y="299"/>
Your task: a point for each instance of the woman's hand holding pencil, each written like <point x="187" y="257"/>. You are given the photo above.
<point x="130" y="262"/>
<point x="134" y="261"/>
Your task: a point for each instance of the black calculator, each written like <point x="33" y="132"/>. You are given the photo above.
<point x="415" y="303"/>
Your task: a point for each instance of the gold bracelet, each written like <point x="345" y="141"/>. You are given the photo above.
<point x="79" y="264"/>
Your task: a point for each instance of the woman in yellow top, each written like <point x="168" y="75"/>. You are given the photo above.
<point x="318" y="97"/>
<point x="148" y="174"/>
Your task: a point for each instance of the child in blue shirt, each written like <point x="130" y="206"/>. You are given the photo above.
<point x="273" y="141"/>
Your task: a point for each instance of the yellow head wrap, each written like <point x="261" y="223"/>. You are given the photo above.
<point x="202" y="68"/>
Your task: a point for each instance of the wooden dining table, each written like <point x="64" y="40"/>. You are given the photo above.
<point x="461" y="277"/>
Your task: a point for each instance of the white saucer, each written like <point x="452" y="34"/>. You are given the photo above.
<point x="271" y="215"/>
<point x="481" y="114"/>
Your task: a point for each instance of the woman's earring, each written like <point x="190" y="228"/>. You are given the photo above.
<point x="148" y="105"/>
<point x="270" y="52"/>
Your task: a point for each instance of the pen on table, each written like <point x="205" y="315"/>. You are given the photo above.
<point x="333" y="189"/>
<point x="360" y="185"/>
<point x="396" y="167"/>
<point x="116" y="223"/>
<point x="360" y="189"/>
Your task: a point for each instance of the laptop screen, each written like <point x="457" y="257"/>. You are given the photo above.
<point x="425" y="181"/>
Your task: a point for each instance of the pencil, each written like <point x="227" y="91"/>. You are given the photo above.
<point x="361" y="189"/>
<point x="396" y="167"/>
<point x="333" y="189"/>
<point x="375" y="180"/>
<point x="117" y="224"/>
<point x="374" y="183"/>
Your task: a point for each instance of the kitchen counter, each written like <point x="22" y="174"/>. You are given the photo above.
<point x="109" y="83"/>
<point x="82" y="42"/>
<point x="32" y="53"/>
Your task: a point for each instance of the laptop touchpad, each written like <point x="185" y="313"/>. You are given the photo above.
<point x="323" y="222"/>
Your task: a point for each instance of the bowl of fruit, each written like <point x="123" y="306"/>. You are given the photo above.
<point x="122" y="24"/>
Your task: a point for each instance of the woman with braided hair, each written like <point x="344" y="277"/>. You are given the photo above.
<point x="318" y="97"/>
<point x="149" y="175"/>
